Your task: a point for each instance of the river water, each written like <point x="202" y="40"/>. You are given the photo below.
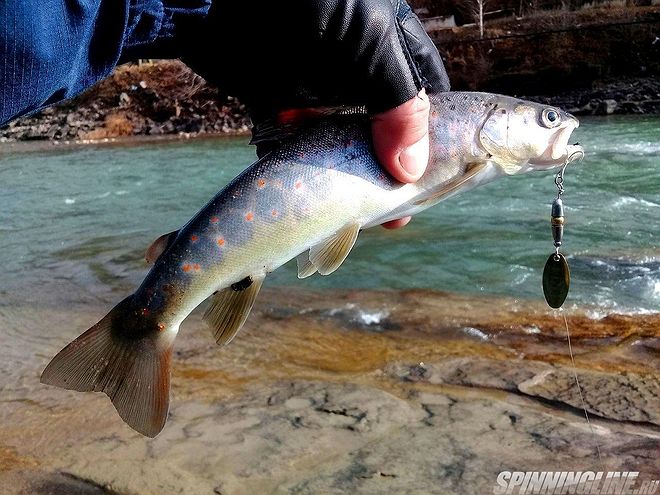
<point x="75" y="222"/>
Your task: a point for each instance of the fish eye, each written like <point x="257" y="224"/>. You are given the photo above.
<point x="550" y="117"/>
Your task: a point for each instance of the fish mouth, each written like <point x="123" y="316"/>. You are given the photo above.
<point x="560" y="152"/>
<point x="574" y="152"/>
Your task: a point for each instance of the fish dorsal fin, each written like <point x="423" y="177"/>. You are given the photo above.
<point x="159" y="246"/>
<point x="305" y="267"/>
<point x="286" y="123"/>
<point x="331" y="253"/>
<point x="230" y="308"/>
<point x="453" y="185"/>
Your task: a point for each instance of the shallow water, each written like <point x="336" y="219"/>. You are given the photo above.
<point x="81" y="218"/>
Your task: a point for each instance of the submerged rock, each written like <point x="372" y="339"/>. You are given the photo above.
<point x="622" y="397"/>
<point x="306" y="401"/>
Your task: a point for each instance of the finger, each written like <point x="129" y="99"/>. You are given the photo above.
<point x="401" y="138"/>
<point x="398" y="223"/>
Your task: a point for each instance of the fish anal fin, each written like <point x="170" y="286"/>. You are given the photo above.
<point x="230" y="308"/>
<point x="305" y="267"/>
<point x="159" y="246"/>
<point x="450" y="187"/>
<point x="330" y="254"/>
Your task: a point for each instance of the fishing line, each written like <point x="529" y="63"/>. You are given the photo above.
<point x="577" y="383"/>
<point x="557" y="279"/>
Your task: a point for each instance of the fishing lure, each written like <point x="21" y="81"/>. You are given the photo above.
<point x="557" y="274"/>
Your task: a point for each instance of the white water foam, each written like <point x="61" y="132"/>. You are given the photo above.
<point x="475" y="332"/>
<point x="365" y="317"/>
<point x="628" y="200"/>
<point x="641" y="148"/>
<point x="372" y="318"/>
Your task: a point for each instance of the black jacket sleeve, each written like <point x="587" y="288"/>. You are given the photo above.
<point x="304" y="53"/>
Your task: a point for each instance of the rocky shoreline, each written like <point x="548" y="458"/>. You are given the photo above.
<point x="615" y="96"/>
<point x="165" y="98"/>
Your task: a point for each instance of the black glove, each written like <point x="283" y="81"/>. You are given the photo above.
<point x="276" y="55"/>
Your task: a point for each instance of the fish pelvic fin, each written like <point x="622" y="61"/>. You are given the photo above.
<point x="230" y="308"/>
<point x="305" y="267"/>
<point x="126" y="360"/>
<point x="331" y="253"/>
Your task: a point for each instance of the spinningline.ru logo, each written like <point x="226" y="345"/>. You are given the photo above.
<point x="573" y="482"/>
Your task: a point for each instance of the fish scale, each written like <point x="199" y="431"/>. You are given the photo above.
<point x="309" y="198"/>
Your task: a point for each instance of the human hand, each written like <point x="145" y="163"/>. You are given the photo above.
<point x="401" y="142"/>
<point x="329" y="53"/>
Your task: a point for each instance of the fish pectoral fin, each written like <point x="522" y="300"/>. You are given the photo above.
<point x="331" y="253"/>
<point x="305" y="267"/>
<point x="159" y="246"/>
<point x="453" y="185"/>
<point x="230" y="308"/>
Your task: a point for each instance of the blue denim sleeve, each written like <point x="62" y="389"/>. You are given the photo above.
<point x="52" y="50"/>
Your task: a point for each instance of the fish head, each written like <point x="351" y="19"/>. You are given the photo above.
<point x="520" y="136"/>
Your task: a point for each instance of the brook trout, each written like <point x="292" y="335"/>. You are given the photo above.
<point x="309" y="199"/>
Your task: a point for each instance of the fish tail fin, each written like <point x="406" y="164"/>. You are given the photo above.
<point x="125" y="357"/>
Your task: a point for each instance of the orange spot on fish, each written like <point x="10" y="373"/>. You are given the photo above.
<point x="249" y="217"/>
<point x="298" y="184"/>
<point x="194" y="238"/>
<point x="274" y="213"/>
<point x="261" y="183"/>
<point x="161" y="327"/>
<point x="186" y="267"/>
<point x="221" y="242"/>
<point x="196" y="267"/>
<point x="214" y="219"/>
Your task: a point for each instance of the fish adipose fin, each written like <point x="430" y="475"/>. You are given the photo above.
<point x="453" y="185"/>
<point x="230" y="308"/>
<point x="131" y="366"/>
<point x="305" y="267"/>
<point x="159" y="246"/>
<point x="331" y="253"/>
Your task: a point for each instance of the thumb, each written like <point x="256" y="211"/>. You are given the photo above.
<point x="401" y="138"/>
